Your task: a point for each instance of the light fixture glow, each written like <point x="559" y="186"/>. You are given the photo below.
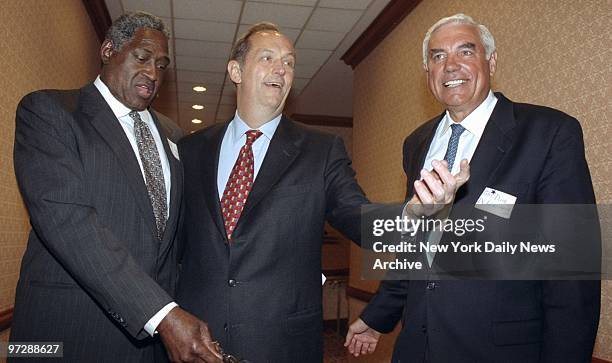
<point x="199" y="88"/>
<point x="197" y="107"/>
<point x="196" y="121"/>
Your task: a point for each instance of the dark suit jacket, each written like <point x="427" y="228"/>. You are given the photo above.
<point x="93" y="273"/>
<point x="536" y="154"/>
<point x="261" y="295"/>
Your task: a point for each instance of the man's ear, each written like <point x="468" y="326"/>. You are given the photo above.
<point x="493" y="63"/>
<point x="234" y="71"/>
<point x="106" y="51"/>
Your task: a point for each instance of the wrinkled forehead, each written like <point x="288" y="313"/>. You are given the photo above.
<point x="268" y="39"/>
<point x="454" y="34"/>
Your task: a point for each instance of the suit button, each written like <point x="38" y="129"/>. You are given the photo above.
<point x="431" y="285"/>
<point x="231" y="283"/>
<point x="225" y="326"/>
<point x="424" y="329"/>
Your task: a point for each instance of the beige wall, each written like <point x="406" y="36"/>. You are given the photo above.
<point x="45" y="44"/>
<point x="556" y="53"/>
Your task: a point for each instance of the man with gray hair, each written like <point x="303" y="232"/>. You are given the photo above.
<point x="528" y="154"/>
<point x="100" y="176"/>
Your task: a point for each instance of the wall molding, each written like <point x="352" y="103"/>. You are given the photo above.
<point x="323" y="120"/>
<point x="99" y="17"/>
<point x="6" y="318"/>
<point x="359" y="294"/>
<point x="385" y="22"/>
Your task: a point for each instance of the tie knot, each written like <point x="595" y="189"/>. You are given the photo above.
<point x="252" y="135"/>
<point x="135" y="116"/>
<point x="456" y="129"/>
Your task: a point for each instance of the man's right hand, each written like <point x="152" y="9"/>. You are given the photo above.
<point x="187" y="338"/>
<point x="361" y="339"/>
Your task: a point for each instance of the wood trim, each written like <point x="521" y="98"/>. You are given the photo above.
<point x="6" y="318"/>
<point x="322" y="120"/>
<point x="385" y="22"/>
<point x="99" y="17"/>
<point x="336" y="272"/>
<point x="359" y="294"/>
<point x="599" y="360"/>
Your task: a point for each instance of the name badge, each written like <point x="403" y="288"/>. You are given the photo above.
<point x="496" y="202"/>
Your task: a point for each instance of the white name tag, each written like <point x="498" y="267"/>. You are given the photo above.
<point x="496" y="202"/>
<point x="174" y="149"/>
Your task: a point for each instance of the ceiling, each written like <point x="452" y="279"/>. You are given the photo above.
<point x="203" y="31"/>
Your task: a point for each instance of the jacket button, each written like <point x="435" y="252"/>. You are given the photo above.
<point x="424" y="329"/>
<point x="231" y="283"/>
<point x="225" y="326"/>
<point x="431" y="285"/>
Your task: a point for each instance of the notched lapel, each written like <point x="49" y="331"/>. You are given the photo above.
<point x="210" y="166"/>
<point x="284" y="148"/>
<point x="495" y="143"/>
<point x="106" y="124"/>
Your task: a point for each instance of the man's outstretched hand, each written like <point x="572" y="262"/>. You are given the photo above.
<point x="436" y="189"/>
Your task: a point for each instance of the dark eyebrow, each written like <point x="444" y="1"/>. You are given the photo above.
<point x="467" y="45"/>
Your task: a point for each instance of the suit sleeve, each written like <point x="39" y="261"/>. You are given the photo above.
<point x="343" y="195"/>
<point x="51" y="178"/>
<point x="571" y="308"/>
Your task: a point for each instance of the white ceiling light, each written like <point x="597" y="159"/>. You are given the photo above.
<point x="196" y="121"/>
<point x="199" y="88"/>
<point x="197" y="107"/>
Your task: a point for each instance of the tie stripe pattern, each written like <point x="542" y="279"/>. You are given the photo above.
<point x="239" y="184"/>
<point x="154" y="175"/>
<point x="453" y="143"/>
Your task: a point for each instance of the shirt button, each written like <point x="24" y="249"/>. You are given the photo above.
<point x="231" y="283"/>
<point x="431" y="285"/>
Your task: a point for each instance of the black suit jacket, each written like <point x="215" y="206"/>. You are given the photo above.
<point x="261" y="295"/>
<point x="93" y="273"/>
<point x="536" y="154"/>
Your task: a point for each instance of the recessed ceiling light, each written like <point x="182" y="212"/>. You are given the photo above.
<point x="199" y="88"/>
<point x="197" y="107"/>
<point x="196" y="121"/>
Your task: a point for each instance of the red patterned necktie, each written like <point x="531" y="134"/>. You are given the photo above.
<point x="239" y="184"/>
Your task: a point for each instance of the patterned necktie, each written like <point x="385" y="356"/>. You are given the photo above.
<point x="154" y="176"/>
<point x="451" y="150"/>
<point x="239" y="184"/>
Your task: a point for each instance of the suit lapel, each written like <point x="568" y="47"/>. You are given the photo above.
<point x="106" y="124"/>
<point x="284" y="148"/>
<point x="176" y="184"/>
<point x="418" y="153"/>
<point x="210" y="166"/>
<point x="494" y="144"/>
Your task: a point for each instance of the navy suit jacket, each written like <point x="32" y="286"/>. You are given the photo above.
<point x="536" y="154"/>
<point x="261" y="294"/>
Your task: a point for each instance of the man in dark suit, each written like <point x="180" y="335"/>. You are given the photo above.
<point x="532" y="153"/>
<point x="258" y="191"/>
<point x="102" y="183"/>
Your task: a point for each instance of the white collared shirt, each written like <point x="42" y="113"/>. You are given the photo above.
<point x="474" y="125"/>
<point x="127" y="123"/>
<point x="234" y="139"/>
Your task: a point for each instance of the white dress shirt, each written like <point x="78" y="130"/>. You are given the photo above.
<point x="234" y="139"/>
<point x="474" y="125"/>
<point x="127" y="123"/>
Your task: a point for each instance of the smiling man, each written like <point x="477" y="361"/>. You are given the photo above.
<point x="258" y="191"/>
<point x="103" y="188"/>
<point x="533" y="153"/>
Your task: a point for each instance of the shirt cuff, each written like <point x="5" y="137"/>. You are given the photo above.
<point x="151" y="326"/>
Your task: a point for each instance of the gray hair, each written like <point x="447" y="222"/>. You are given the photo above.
<point x="485" y="35"/>
<point x="124" y="27"/>
<point x="242" y="45"/>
